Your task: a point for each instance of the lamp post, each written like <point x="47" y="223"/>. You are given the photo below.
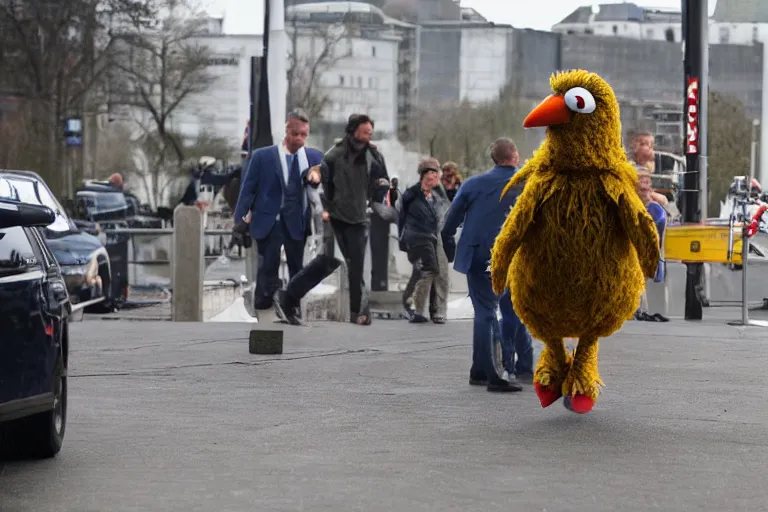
<point x="696" y="72"/>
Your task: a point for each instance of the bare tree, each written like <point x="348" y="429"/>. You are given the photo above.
<point x="116" y="152"/>
<point x="327" y="45"/>
<point x="463" y="131"/>
<point x="54" y="55"/>
<point x="160" y="70"/>
<point x="730" y="137"/>
<point x="209" y="144"/>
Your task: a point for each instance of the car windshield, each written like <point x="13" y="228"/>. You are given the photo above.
<point x="105" y="205"/>
<point x="26" y="191"/>
<point x="7" y="191"/>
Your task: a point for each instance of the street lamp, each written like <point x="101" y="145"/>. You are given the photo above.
<point x="696" y="83"/>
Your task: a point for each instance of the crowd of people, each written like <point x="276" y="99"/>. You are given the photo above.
<point x="285" y="186"/>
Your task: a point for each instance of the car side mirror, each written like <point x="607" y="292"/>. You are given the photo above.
<point x="14" y="213"/>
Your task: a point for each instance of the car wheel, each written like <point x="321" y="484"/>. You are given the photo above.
<point x="108" y="304"/>
<point x="39" y="436"/>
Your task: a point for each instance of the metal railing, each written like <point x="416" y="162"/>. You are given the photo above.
<point x="159" y="232"/>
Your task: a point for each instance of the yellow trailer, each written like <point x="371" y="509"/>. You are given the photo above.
<point x="704" y="243"/>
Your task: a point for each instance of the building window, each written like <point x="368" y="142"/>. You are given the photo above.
<point x="649" y="33"/>
<point x="669" y="35"/>
<point x="589" y="31"/>
<point x="341" y="79"/>
<point x="373" y="51"/>
<point x="370" y="82"/>
<point x="755" y="33"/>
<point x="725" y="35"/>
<point x="615" y="29"/>
<point x="360" y="82"/>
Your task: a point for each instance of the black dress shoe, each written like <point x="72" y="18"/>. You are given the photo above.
<point x="284" y="309"/>
<point x="503" y="386"/>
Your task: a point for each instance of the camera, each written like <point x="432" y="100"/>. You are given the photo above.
<point x="739" y="187"/>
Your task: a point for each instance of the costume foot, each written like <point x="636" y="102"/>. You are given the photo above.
<point x="582" y="385"/>
<point x="550" y="374"/>
<point x="547" y="394"/>
<point x="580" y="404"/>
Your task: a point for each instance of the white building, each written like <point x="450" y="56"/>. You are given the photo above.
<point x="733" y="22"/>
<point x="463" y="61"/>
<point x="623" y="20"/>
<point x="483" y="62"/>
<point x="223" y="110"/>
<point x="369" y="66"/>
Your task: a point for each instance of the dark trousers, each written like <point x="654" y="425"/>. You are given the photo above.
<point x="352" y="240"/>
<point x="515" y="338"/>
<point x="268" y="278"/>
<point x="379" y="254"/>
<point x="487" y="356"/>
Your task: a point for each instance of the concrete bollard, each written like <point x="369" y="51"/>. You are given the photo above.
<point x="187" y="265"/>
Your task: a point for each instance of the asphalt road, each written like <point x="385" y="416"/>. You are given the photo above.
<point x="167" y="417"/>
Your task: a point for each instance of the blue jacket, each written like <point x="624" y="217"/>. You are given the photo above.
<point x="261" y="192"/>
<point x="659" y="215"/>
<point x="477" y="205"/>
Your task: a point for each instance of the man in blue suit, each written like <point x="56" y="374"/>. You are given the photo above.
<point x="478" y="207"/>
<point x="273" y="203"/>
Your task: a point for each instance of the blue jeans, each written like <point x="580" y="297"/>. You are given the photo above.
<point x="515" y="338"/>
<point x="486" y="329"/>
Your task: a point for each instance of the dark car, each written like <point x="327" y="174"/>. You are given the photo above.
<point x="101" y="203"/>
<point x="83" y="259"/>
<point x="34" y="350"/>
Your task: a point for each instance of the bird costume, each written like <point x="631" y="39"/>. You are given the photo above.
<point x="577" y="244"/>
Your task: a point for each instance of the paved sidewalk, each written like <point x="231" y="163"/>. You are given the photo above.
<point x="179" y="417"/>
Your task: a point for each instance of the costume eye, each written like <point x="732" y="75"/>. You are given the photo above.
<point x="580" y="100"/>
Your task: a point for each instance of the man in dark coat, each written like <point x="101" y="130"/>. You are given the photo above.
<point x="354" y="176"/>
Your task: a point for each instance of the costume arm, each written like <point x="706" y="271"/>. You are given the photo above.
<point x="248" y="189"/>
<point x="641" y="230"/>
<point x="511" y="235"/>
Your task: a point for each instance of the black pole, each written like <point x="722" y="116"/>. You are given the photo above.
<point x="694" y="14"/>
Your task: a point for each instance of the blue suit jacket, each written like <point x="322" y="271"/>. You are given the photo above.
<point x="477" y="205"/>
<point x="261" y="191"/>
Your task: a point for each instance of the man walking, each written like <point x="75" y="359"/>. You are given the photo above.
<point x="477" y="205"/>
<point x="354" y="175"/>
<point x="274" y="207"/>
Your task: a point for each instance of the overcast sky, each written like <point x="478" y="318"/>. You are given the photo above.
<point x="244" y="17"/>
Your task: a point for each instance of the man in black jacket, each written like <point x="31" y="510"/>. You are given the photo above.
<point x="354" y="175"/>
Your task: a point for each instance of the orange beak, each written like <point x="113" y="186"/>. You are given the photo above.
<point x="549" y="112"/>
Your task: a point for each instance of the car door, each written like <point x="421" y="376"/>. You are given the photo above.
<point x="55" y="303"/>
<point x="24" y="343"/>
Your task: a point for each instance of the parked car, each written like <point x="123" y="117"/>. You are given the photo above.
<point x="34" y="351"/>
<point x="101" y="203"/>
<point x="83" y="259"/>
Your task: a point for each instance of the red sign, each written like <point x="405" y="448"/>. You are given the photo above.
<point x="692" y="117"/>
